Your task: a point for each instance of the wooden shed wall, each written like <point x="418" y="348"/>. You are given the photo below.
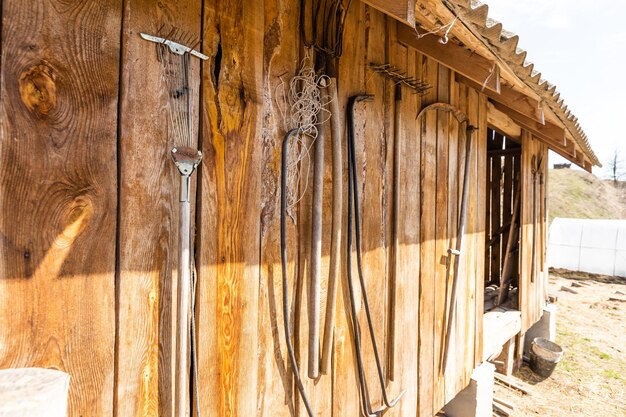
<point x="89" y="209"/>
<point x="533" y="289"/>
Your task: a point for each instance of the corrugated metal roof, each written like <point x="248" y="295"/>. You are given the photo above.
<point x="504" y="44"/>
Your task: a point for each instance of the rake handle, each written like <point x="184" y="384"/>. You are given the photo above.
<point x="335" y="242"/>
<point x="184" y="280"/>
<point x="316" y="255"/>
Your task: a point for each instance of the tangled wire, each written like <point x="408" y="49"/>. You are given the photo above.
<point x="308" y="109"/>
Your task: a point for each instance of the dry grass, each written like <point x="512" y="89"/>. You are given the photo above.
<point x="578" y="194"/>
<point x="591" y="378"/>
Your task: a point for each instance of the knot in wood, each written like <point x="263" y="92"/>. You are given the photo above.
<point x="38" y="89"/>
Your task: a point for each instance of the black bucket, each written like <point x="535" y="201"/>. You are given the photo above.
<point x="544" y="355"/>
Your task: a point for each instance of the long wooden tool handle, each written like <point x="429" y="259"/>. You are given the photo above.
<point x="316" y="255"/>
<point x="459" y="246"/>
<point x="391" y="367"/>
<point x="182" y="346"/>
<point x="335" y="242"/>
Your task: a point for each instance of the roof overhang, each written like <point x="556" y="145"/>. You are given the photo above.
<point x="487" y="58"/>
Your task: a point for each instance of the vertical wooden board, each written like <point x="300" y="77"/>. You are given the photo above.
<point x="460" y="317"/>
<point x="517" y="177"/>
<point x="481" y="209"/>
<point x="489" y="196"/>
<point x="371" y="149"/>
<point x="471" y="238"/>
<point x="455" y="132"/>
<point x="525" y="286"/>
<point x="276" y="392"/>
<point x="147" y="244"/>
<point x="407" y="257"/>
<point x="442" y="242"/>
<point x="58" y="188"/>
<point x="351" y="80"/>
<point x="428" y="172"/>
<point x="229" y="208"/>
<point x="499" y="245"/>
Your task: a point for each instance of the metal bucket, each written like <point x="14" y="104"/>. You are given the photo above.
<point x="544" y="356"/>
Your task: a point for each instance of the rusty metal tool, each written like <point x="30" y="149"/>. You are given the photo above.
<point x="462" y="118"/>
<point x="283" y="258"/>
<point x="186" y="157"/>
<point x="354" y="215"/>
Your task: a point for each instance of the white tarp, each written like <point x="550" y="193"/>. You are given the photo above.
<point x="588" y="245"/>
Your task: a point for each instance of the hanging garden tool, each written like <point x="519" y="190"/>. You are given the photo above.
<point x="354" y="213"/>
<point x="322" y="23"/>
<point x="462" y="118"/>
<point x="182" y="90"/>
<point x="283" y="258"/>
<point x="536" y="169"/>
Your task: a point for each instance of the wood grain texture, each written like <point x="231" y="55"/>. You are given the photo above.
<point x="276" y="392"/>
<point x="481" y="226"/>
<point x="229" y="211"/>
<point x="428" y="174"/>
<point x="403" y="10"/>
<point x="58" y="189"/>
<point x="351" y="79"/>
<point x="442" y="234"/>
<point x="147" y="246"/>
<point x="374" y="176"/>
<point x="531" y="294"/>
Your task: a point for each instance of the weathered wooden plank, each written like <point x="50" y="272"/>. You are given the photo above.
<point x="471" y="239"/>
<point x="496" y="208"/>
<point x="516" y="101"/>
<point x="442" y="242"/>
<point x="503" y="123"/>
<point x="481" y="219"/>
<point x="526" y="287"/>
<point x="402" y="10"/>
<point x="455" y="132"/>
<point x="351" y="80"/>
<point x="408" y="256"/>
<point x="147" y="244"/>
<point x="58" y="182"/>
<point x="428" y="173"/>
<point x="229" y="211"/>
<point x="276" y="392"/>
<point x="371" y="150"/>
<point x="462" y="60"/>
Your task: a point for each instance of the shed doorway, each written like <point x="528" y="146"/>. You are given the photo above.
<point x="503" y="207"/>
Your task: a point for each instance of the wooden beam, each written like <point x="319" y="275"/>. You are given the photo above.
<point x="552" y="134"/>
<point x="461" y="60"/>
<point x="505" y="152"/>
<point x="402" y="10"/>
<point x="511" y="98"/>
<point x="503" y="123"/>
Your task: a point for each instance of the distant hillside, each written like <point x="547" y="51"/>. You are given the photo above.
<point x="578" y="194"/>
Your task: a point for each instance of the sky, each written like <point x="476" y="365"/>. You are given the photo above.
<point x="581" y="47"/>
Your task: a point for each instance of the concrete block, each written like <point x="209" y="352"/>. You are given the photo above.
<point x="33" y="392"/>
<point x="477" y="398"/>
<point x="545" y="327"/>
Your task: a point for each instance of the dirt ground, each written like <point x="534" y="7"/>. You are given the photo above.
<point x="591" y="328"/>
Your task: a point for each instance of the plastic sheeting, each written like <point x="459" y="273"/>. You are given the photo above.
<point x="588" y="245"/>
